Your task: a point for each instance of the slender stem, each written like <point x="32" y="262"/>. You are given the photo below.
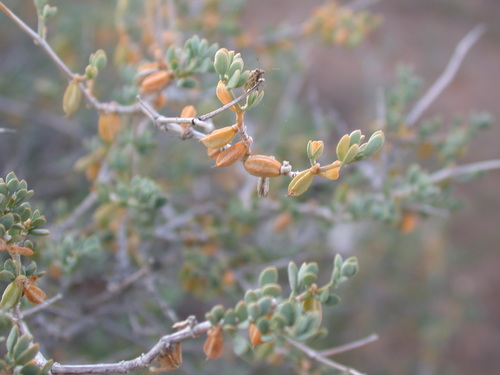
<point x="448" y="173"/>
<point x="350" y="346"/>
<point x="447" y="76"/>
<point x="481" y="166"/>
<point x="311" y="353"/>
<point x="142" y="361"/>
<point x="115" y="290"/>
<point x="41" y="306"/>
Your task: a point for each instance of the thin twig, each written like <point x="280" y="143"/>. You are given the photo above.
<point x="77" y="213"/>
<point x="7" y="130"/>
<point x="350" y="346"/>
<point x="116" y="289"/>
<point x="311" y="353"/>
<point x="41" y="306"/>
<point x="447" y="76"/>
<point x="165" y="306"/>
<point x="478" y="167"/>
<point x="136" y="363"/>
<point x="448" y="173"/>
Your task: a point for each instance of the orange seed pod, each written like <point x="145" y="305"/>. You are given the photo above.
<point x="225" y="96"/>
<point x="168" y="360"/>
<point x="231" y="155"/>
<point x="214" y="344"/>
<point x="262" y="166"/>
<point x="220" y="137"/>
<point x="254" y="335"/>
<point x="109" y="125"/>
<point x="156" y="81"/>
<point x="212" y="153"/>
<point x="33" y="293"/>
<point x="188" y="111"/>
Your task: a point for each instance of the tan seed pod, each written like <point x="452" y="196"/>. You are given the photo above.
<point x="156" y="81"/>
<point x="109" y="125"/>
<point x="188" y="111"/>
<point x="262" y="166"/>
<point x="225" y="96"/>
<point x="159" y="101"/>
<point x="220" y="137"/>
<point x="212" y="153"/>
<point x="168" y="360"/>
<point x="32" y="292"/>
<point x="214" y="344"/>
<point x="72" y="98"/>
<point x="231" y="155"/>
<point x="254" y="335"/>
<point x="408" y="222"/>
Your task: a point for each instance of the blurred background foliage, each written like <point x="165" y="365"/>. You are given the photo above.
<point x="427" y="284"/>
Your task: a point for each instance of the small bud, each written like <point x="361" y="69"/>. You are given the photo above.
<point x="109" y="125"/>
<point x="220" y="137"/>
<point x="231" y="155"/>
<point x="255" y="335"/>
<point x="91" y="72"/>
<point x="262" y="166"/>
<point x="300" y="183"/>
<point x="156" y="81"/>
<point x="72" y="98"/>
<point x="350" y="267"/>
<point x="314" y="150"/>
<point x="98" y="59"/>
<point x="188" y="111"/>
<point x="214" y="344"/>
<point x="49" y="11"/>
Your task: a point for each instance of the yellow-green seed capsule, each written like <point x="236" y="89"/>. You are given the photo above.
<point x="300" y="183"/>
<point x="72" y="98"/>
<point x="99" y="59"/>
<point x="12" y="293"/>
